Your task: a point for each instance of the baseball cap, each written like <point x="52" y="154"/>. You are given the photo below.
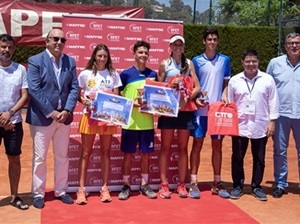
<point x="177" y="37"/>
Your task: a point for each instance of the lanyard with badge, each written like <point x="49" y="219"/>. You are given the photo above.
<point x="250" y="103"/>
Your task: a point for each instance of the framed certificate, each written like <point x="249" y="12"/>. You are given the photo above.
<point x="112" y="109"/>
<point x="160" y="100"/>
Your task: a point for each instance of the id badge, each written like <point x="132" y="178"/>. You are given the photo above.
<point x="250" y="107"/>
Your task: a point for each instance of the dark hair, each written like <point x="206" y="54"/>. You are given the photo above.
<point x="92" y="62"/>
<point x="6" y="37"/>
<point x="210" y="30"/>
<point x="141" y="43"/>
<point x="250" y="52"/>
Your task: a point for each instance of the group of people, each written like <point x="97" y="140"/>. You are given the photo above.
<point x="268" y="105"/>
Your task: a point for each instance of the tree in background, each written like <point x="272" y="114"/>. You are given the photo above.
<point x="254" y="12"/>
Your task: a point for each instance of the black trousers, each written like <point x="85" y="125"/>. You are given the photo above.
<point x="239" y="149"/>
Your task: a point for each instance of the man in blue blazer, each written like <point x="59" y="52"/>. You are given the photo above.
<point x="53" y="90"/>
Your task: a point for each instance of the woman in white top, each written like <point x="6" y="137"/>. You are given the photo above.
<point x="98" y="75"/>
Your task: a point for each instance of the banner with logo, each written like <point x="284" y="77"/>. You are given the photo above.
<point x="83" y="34"/>
<point x="29" y="22"/>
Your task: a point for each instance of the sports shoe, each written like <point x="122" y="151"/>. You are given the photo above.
<point x="81" y="197"/>
<point x="125" y="193"/>
<point x="278" y="192"/>
<point x="194" y="191"/>
<point x="236" y="193"/>
<point x="147" y="191"/>
<point x="219" y="189"/>
<point x="181" y="190"/>
<point x="104" y="195"/>
<point x="259" y="194"/>
<point x="164" y="191"/>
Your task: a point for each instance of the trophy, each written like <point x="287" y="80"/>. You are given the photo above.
<point x="141" y="97"/>
<point x="203" y="99"/>
<point x="91" y="96"/>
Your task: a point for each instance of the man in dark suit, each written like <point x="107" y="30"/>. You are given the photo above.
<point x="53" y="90"/>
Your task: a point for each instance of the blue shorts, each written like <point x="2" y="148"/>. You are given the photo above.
<point x="131" y="138"/>
<point x="12" y="139"/>
<point x="200" y="123"/>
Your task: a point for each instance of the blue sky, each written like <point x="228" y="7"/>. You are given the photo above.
<point x="201" y="5"/>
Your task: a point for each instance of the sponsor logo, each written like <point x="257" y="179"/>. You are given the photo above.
<point x="173" y="30"/>
<point x="75" y="135"/>
<point x="116" y="181"/>
<point x="115" y="59"/>
<point x="132" y="38"/>
<point x="76" y="57"/>
<point x="155" y="29"/>
<point x="116" y="158"/>
<point x="153" y="60"/>
<point x="96" y="146"/>
<point x="75" y="25"/>
<point x="73" y="148"/>
<point x="135" y="169"/>
<point x="117" y="49"/>
<point x="116" y="27"/>
<point x="73" y="171"/>
<point x="93" y="37"/>
<point x="92" y="46"/>
<point x="95" y="181"/>
<point x="174" y="156"/>
<point x="95" y="26"/>
<point x="113" y="38"/>
<point x="94" y="158"/>
<point x="135" y="28"/>
<point x="115" y="147"/>
<point x="175" y="178"/>
<point x="92" y="170"/>
<point x="223" y="115"/>
<point x="152" y="39"/>
<point x="116" y="169"/>
<point x="155" y="180"/>
<point x="153" y="168"/>
<point x="136" y="179"/>
<point x="153" y="157"/>
<point x="72" y="36"/>
<point x="172" y="168"/>
<point x="73" y="183"/>
<point x="74" y="124"/>
<point x="76" y="46"/>
<point x="74" y="159"/>
<point x="129" y="59"/>
<point x="157" y="50"/>
<point x="136" y="157"/>
<point x="117" y="135"/>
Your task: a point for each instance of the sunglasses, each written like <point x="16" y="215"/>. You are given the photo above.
<point x="56" y="39"/>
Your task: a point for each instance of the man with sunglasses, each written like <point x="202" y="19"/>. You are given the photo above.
<point x="53" y="90"/>
<point x="285" y="70"/>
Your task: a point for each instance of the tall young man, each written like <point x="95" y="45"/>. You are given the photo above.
<point x="213" y="70"/>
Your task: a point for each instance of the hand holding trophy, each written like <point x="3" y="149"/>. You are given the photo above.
<point x="141" y="99"/>
<point x="202" y="101"/>
<point x="91" y="96"/>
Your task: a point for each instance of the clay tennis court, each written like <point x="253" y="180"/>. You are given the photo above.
<point x="283" y="210"/>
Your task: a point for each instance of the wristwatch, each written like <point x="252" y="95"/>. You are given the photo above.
<point x="11" y="112"/>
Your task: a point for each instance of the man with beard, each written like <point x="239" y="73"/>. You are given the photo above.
<point x="13" y="96"/>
